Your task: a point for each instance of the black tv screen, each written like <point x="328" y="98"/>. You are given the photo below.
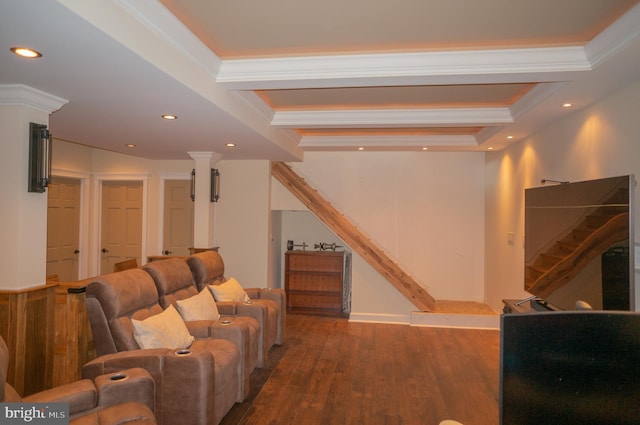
<point x="577" y="367"/>
<point x="579" y="243"/>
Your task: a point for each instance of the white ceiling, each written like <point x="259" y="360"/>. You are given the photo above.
<point x="282" y="77"/>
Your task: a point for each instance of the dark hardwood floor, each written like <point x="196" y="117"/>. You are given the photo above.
<point x="330" y="371"/>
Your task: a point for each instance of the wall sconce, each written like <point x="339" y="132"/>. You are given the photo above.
<point x="39" y="158"/>
<point x="215" y="185"/>
<point x="193" y="184"/>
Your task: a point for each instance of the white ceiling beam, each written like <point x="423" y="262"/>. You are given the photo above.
<point x="433" y="68"/>
<point x="383" y="118"/>
<point x="415" y="141"/>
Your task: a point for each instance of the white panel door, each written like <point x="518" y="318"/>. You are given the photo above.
<point x="178" y="218"/>
<point x="121" y="233"/>
<point x="63" y="226"/>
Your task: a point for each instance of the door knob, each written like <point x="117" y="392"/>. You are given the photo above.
<point x="104" y="250"/>
<point x="76" y="251"/>
<point x="167" y="252"/>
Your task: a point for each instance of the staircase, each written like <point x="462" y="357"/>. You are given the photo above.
<point x="353" y="237"/>
<point x="594" y="234"/>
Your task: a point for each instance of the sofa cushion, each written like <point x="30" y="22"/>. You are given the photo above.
<point x="198" y="307"/>
<point x="231" y="290"/>
<point x="163" y="330"/>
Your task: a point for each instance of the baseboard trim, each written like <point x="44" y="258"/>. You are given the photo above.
<point x="397" y="319"/>
<point x="464" y="321"/>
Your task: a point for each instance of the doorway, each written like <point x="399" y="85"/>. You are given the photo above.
<point x="63" y="227"/>
<point x="178" y="218"/>
<point x="121" y="223"/>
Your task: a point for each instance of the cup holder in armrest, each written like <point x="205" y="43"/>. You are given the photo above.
<point x="226" y="322"/>
<point x="116" y="377"/>
<point x="183" y="352"/>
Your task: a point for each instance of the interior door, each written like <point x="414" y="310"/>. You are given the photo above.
<point x="121" y="229"/>
<point x="178" y="218"/>
<point x="63" y="228"/>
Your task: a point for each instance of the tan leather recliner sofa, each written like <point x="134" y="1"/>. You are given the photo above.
<point x="198" y="385"/>
<point x="174" y="283"/>
<point x="208" y="269"/>
<point x="123" y="398"/>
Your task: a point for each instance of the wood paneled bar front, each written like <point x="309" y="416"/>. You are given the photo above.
<point x="27" y="326"/>
<point x="73" y="340"/>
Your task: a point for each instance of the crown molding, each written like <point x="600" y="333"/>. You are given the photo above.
<point x="28" y="97"/>
<point x="156" y="17"/>
<point x="212" y="157"/>
<point x="615" y="37"/>
<point x="387" y="141"/>
<point x="469" y="67"/>
<point x="535" y="96"/>
<point x="383" y="118"/>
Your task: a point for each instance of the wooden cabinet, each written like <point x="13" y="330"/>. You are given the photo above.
<point x="314" y="282"/>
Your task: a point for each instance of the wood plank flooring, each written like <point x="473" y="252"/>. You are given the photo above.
<point x="330" y="371"/>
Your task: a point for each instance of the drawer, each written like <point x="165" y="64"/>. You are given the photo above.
<point x="317" y="263"/>
<point x="314" y="282"/>
<point x="315" y="302"/>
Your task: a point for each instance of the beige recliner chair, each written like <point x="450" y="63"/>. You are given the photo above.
<point x="207" y="268"/>
<point x="126" y="397"/>
<point x="174" y="283"/>
<point x="196" y="385"/>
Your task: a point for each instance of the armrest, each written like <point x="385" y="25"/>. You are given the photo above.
<point x="81" y="395"/>
<point x="121" y="387"/>
<point x="151" y="360"/>
<point x="199" y="328"/>
<point x="254" y="293"/>
<point x="108" y="390"/>
<point x="158" y="362"/>
<point x="226" y="307"/>
<point x="183" y="379"/>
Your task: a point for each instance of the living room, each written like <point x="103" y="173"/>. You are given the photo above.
<point x="453" y="220"/>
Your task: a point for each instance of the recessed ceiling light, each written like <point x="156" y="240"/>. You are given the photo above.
<point x="130" y="145"/>
<point x="230" y="145"/>
<point x="26" y="52"/>
<point x="567" y="105"/>
<point x="425" y="148"/>
<point x="169" y="117"/>
<point x="509" y="137"/>
<point x="490" y="148"/>
<point x="360" y="148"/>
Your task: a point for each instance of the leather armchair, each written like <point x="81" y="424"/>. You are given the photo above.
<point x="194" y="386"/>
<point x="207" y="268"/>
<point x="108" y="400"/>
<point x="174" y="282"/>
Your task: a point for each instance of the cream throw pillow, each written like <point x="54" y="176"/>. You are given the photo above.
<point x="231" y="290"/>
<point x="198" y="307"/>
<point x="163" y="330"/>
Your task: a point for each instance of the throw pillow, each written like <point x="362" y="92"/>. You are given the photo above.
<point x="231" y="290"/>
<point x="198" y="307"/>
<point x="163" y="330"/>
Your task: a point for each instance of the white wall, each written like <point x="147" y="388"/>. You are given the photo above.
<point x="426" y="211"/>
<point x="242" y="221"/>
<point x="600" y="141"/>
<point x="88" y="164"/>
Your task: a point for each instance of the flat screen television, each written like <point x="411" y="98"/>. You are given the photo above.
<point x="579" y="244"/>
<point x="570" y="367"/>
